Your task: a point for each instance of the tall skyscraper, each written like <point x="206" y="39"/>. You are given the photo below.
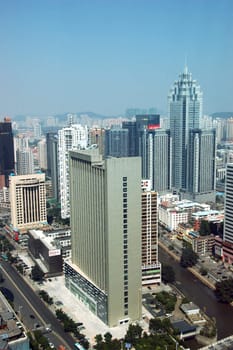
<point x="23" y="156"/>
<point x="69" y="138"/>
<point x="105" y="272"/>
<point x="116" y="142"/>
<point x="42" y="153"/>
<point x="52" y="162"/>
<point x="185" y="111"/>
<point x="201" y="172"/>
<point x="151" y="268"/>
<point x="228" y="221"/>
<point x="146" y="139"/>
<point x="6" y="152"/>
<point x="162" y="155"/>
<point x="28" y="201"/>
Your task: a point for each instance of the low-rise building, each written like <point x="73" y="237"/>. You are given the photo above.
<point x="44" y="252"/>
<point x="12" y="332"/>
<point x="170" y="216"/>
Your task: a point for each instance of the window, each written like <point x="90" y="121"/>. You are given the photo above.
<point x="124" y="178"/>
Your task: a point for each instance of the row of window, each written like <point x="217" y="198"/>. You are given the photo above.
<point x="125" y="244"/>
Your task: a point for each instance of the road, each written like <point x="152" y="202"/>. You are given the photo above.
<point x="27" y="303"/>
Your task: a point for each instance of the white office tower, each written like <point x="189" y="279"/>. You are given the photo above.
<point x="73" y="137"/>
<point x="228" y="222"/>
<point x="42" y="154"/>
<point x="23" y="156"/>
<point x="105" y="272"/>
<point x="151" y="268"/>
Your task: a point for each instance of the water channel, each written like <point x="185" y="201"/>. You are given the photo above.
<point x="201" y="295"/>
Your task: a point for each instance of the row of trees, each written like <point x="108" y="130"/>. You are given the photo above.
<point x="71" y="326"/>
<point x="162" y="336"/>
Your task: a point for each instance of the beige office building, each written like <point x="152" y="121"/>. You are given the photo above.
<point x="28" y="201"/>
<point x="151" y="267"/>
<point x="105" y="272"/>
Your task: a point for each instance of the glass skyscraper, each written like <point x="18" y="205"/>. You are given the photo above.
<point x="6" y="152"/>
<point x="185" y="111"/>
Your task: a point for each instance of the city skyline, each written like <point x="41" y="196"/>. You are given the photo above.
<point x="106" y="56"/>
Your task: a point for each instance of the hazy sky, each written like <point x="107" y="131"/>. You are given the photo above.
<point x="107" y="55"/>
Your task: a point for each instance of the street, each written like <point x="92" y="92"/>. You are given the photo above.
<point x="31" y="309"/>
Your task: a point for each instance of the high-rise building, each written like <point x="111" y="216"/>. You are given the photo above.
<point x="201" y="173"/>
<point x="23" y="156"/>
<point x="42" y="153"/>
<point x="116" y="142"/>
<point x="162" y="155"/>
<point x="146" y="139"/>
<point x="185" y="111"/>
<point x="6" y="152"/>
<point x="105" y="272"/>
<point x="228" y="221"/>
<point x="69" y="138"/>
<point x="151" y="268"/>
<point x="24" y="161"/>
<point x="28" y="201"/>
<point x="131" y="127"/>
<point x="96" y="137"/>
<point x="52" y="162"/>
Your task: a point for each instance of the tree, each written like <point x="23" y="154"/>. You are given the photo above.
<point x="204" y="228"/>
<point x="134" y="333"/>
<point x="224" y="291"/>
<point x="188" y="258"/>
<point x="168" y="274"/>
<point x="37" y="274"/>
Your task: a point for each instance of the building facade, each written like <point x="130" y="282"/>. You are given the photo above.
<point x="228" y="222"/>
<point x="52" y="162"/>
<point x="116" y="142"/>
<point x="6" y="152"/>
<point x="69" y="138"/>
<point x="185" y="111"/>
<point x="28" y="201"/>
<point x="105" y="272"/>
<point x="151" y="268"/>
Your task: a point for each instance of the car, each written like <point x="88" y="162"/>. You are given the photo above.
<point x="32" y="316"/>
<point x="51" y="345"/>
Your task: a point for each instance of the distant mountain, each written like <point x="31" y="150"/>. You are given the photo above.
<point x="224" y="115"/>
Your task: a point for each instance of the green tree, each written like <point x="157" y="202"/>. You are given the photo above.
<point x="36" y="273"/>
<point x="133" y="334"/>
<point x="168" y="274"/>
<point x="188" y="258"/>
<point x="204" y="228"/>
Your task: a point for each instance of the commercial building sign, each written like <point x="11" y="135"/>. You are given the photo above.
<point x="54" y="252"/>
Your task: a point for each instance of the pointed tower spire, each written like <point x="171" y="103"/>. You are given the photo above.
<point x="185" y="66"/>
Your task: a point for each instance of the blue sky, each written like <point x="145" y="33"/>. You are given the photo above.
<point x="108" y="55"/>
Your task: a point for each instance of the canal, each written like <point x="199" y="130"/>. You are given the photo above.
<point x="201" y="295"/>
